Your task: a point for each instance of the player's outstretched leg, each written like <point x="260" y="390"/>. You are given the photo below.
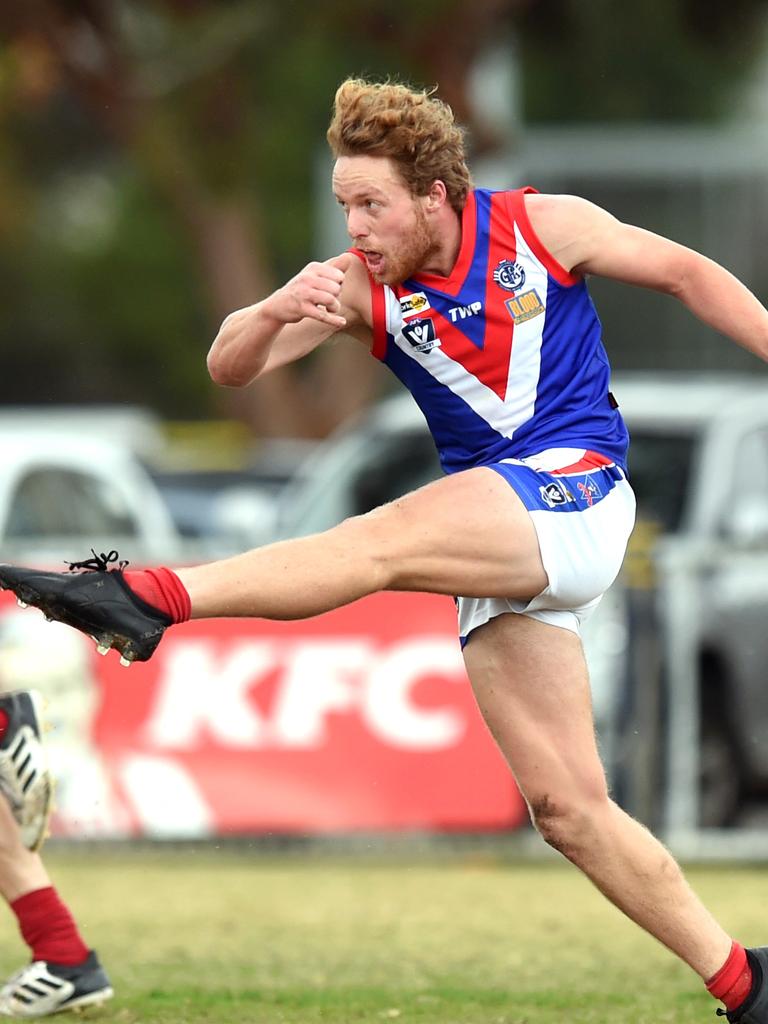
<point x="94" y="599"/>
<point x="408" y="544"/>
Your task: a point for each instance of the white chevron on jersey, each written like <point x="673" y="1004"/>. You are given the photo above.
<point x="506" y="414"/>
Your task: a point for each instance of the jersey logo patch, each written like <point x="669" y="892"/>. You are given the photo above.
<point x="417" y="302"/>
<point x="556" y="494"/>
<point x="525" y="306"/>
<point x="509" y="276"/>
<point x="462" y="312"/>
<point x="588" y="491"/>
<point x="421" y="334"/>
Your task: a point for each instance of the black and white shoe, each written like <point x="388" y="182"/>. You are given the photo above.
<point x="754" y="1009"/>
<point x="94" y="599"/>
<point x="41" y="988"/>
<point x="24" y="777"/>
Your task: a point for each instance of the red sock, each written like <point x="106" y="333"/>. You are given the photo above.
<point x="3" y="722"/>
<point x="733" y="982"/>
<point x="162" y="589"/>
<point x="48" y="928"/>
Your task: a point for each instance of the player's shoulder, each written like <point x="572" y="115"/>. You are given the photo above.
<point x="558" y="219"/>
<point x="546" y="204"/>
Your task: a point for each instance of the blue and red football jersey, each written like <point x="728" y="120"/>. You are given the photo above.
<point x="505" y="355"/>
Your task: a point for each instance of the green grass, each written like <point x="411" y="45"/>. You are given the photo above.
<point x="213" y="936"/>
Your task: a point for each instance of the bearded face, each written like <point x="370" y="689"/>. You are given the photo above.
<point x="384" y="220"/>
<point x="409" y="254"/>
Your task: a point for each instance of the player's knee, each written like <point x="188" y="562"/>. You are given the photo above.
<point x="373" y="539"/>
<point x="567" y="823"/>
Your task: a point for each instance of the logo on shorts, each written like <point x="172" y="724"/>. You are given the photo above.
<point x="556" y="494"/>
<point x="415" y="303"/>
<point x="525" y="306"/>
<point x="588" y="490"/>
<point x="421" y="334"/>
<point x="509" y="276"/>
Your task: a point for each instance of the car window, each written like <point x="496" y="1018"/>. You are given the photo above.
<point x="745" y="510"/>
<point x="50" y="501"/>
<point x="750" y="466"/>
<point x="660" y="471"/>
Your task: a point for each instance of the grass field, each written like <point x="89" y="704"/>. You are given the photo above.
<point x="217" y="936"/>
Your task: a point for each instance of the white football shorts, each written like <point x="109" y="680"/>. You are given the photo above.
<point x="583" y="510"/>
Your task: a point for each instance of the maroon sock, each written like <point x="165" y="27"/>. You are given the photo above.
<point x="162" y="589"/>
<point x="733" y="982"/>
<point x="48" y="928"/>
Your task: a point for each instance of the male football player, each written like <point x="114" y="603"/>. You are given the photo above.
<point x="477" y="301"/>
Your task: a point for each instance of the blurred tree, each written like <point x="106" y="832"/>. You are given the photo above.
<point x="127" y="120"/>
<point x="157" y="164"/>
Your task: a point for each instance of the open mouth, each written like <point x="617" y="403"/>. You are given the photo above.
<point x="374" y="261"/>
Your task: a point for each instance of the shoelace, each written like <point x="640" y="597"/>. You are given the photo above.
<point x="99" y="563"/>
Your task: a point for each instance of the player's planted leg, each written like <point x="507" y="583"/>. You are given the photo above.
<point x="754" y="1009"/>
<point x="531" y="684"/>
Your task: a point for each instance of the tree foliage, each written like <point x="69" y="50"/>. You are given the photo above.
<point x="157" y="164"/>
<point x="159" y="173"/>
<point x="678" y="60"/>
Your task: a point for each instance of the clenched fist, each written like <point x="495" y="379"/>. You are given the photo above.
<point x="314" y="292"/>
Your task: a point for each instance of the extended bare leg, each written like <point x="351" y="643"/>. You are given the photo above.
<point x="465" y="534"/>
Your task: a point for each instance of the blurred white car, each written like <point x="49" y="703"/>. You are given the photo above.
<point x="64" y="491"/>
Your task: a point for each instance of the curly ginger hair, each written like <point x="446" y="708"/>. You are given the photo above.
<point x="413" y="128"/>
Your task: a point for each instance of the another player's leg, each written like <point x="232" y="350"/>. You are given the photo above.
<point x="466" y="534"/>
<point x="531" y="684"/>
<point x="63" y="973"/>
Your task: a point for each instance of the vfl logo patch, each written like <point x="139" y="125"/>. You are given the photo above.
<point x="415" y="303"/>
<point x="589" y="490"/>
<point x="421" y="334"/>
<point x="555" y="495"/>
<point x="509" y="276"/>
<point x="525" y="307"/>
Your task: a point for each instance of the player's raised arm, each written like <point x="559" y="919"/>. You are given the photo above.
<point x="289" y="323"/>
<point x="587" y="240"/>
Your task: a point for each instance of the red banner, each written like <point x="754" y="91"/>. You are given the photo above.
<point x="362" y="719"/>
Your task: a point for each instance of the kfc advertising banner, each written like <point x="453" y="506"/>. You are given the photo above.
<point x="362" y="719"/>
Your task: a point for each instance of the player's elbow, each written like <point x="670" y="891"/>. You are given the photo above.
<point x="686" y="274"/>
<point x="228" y="373"/>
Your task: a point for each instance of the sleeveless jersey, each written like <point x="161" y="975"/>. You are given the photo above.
<point x="504" y="356"/>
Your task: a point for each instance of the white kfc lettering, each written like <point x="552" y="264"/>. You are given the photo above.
<point x="390" y="711"/>
<point x="202" y="694"/>
<point x="321" y="678"/>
